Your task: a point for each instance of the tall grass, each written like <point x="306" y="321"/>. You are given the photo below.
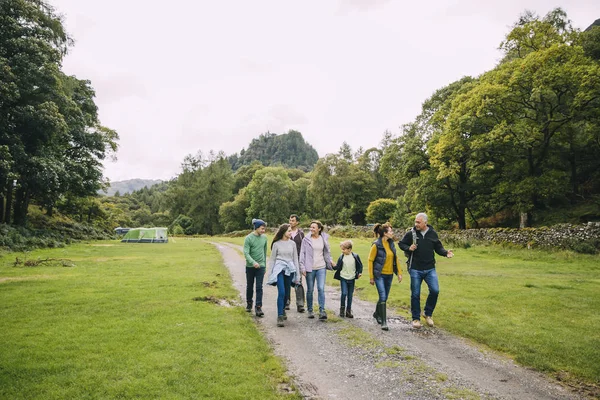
<point x="129" y="321"/>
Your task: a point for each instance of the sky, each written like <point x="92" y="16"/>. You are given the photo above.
<point x="178" y="77"/>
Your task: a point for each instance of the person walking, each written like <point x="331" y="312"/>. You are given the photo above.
<point x="383" y="264"/>
<point x="255" y="253"/>
<point x="315" y="259"/>
<point x="348" y="269"/>
<point x="419" y="244"/>
<point x="284" y="268"/>
<point x="297" y="236"/>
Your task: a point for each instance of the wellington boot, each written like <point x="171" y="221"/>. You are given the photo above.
<point x="376" y="314"/>
<point x="383" y="312"/>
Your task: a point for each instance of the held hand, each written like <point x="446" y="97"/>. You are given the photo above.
<point x="450" y="254"/>
<point x="412" y="247"/>
<point x="399" y="278"/>
<point x="372" y="281"/>
<point x="303" y="273"/>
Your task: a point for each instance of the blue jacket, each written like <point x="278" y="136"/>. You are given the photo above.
<point x="340" y="263"/>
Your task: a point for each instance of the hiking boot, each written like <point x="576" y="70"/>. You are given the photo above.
<point x="322" y="315"/>
<point x="383" y="313"/>
<point x="301" y="309"/>
<point x="376" y="314"/>
<point x="416" y="324"/>
<point x="287" y="305"/>
<point x="349" y="313"/>
<point x="258" y="311"/>
<point x="342" y="312"/>
<point x="284" y="315"/>
<point x="429" y="320"/>
<point x="249" y="306"/>
<point x="311" y="315"/>
<point x="280" y="320"/>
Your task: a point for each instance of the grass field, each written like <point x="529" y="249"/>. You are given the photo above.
<point x="539" y="308"/>
<point x="129" y="321"/>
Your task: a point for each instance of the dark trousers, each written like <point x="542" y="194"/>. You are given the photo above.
<point x="252" y="275"/>
<point x="347" y="286"/>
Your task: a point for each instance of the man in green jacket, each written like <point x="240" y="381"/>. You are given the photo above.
<point x="255" y="252"/>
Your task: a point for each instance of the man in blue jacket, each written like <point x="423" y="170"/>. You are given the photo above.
<point x="420" y="244"/>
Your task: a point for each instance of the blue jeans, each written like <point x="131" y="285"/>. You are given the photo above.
<point x="347" y="291"/>
<point x="252" y="275"/>
<point x="431" y="279"/>
<point x="319" y="275"/>
<point x="283" y="286"/>
<point x="383" y="285"/>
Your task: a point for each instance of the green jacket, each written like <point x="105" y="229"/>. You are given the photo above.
<point x="255" y="250"/>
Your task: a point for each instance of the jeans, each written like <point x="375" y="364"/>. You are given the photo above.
<point x="255" y="274"/>
<point x="288" y="293"/>
<point x="416" y="278"/>
<point x="283" y="286"/>
<point x="347" y="291"/>
<point x="383" y="285"/>
<point x="319" y="275"/>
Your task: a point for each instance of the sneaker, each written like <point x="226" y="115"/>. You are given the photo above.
<point x="259" y="312"/>
<point x="311" y="315"/>
<point x="429" y="320"/>
<point x="322" y="315"/>
<point x="287" y="305"/>
<point x="284" y="315"/>
<point x="301" y="309"/>
<point x="280" y="320"/>
<point x="416" y="324"/>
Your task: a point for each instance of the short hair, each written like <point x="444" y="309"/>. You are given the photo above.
<point x="422" y="215"/>
<point x="295" y="216"/>
<point x="346" y="244"/>
<point x="319" y="225"/>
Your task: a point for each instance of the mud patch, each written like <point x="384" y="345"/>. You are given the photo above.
<point x="216" y="300"/>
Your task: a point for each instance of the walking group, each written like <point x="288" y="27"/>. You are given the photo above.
<point x="295" y="256"/>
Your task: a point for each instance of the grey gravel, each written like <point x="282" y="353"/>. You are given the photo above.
<point x="354" y="359"/>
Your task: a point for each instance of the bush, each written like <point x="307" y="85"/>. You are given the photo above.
<point x="381" y="210"/>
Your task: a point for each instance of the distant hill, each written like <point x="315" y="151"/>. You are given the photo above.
<point x="288" y="149"/>
<point x="129" y="186"/>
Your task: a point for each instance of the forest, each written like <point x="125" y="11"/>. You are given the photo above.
<point x="518" y="145"/>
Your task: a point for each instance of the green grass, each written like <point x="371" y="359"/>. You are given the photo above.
<point x="538" y="307"/>
<point x="130" y="321"/>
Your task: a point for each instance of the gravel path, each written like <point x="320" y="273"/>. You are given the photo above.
<point x="355" y="359"/>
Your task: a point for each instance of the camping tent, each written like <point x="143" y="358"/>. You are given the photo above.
<point x="146" y="235"/>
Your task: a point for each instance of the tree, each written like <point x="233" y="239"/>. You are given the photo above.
<point x="270" y="193"/>
<point x="381" y="210"/>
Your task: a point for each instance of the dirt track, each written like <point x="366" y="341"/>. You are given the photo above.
<point x="355" y="359"/>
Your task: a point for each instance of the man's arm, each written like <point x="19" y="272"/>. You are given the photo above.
<point x="406" y="241"/>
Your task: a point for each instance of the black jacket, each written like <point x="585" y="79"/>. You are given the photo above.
<point x="423" y="258"/>
<point x="340" y="263"/>
<point x="298" y="239"/>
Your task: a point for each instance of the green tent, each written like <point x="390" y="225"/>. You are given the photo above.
<point x="146" y="235"/>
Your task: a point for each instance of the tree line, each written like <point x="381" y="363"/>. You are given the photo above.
<point x="508" y="147"/>
<point x="51" y="141"/>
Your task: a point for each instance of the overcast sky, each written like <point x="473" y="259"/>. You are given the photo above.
<point x="180" y="76"/>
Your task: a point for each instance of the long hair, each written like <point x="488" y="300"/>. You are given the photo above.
<point x="279" y="235"/>
<point x="381" y="229"/>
